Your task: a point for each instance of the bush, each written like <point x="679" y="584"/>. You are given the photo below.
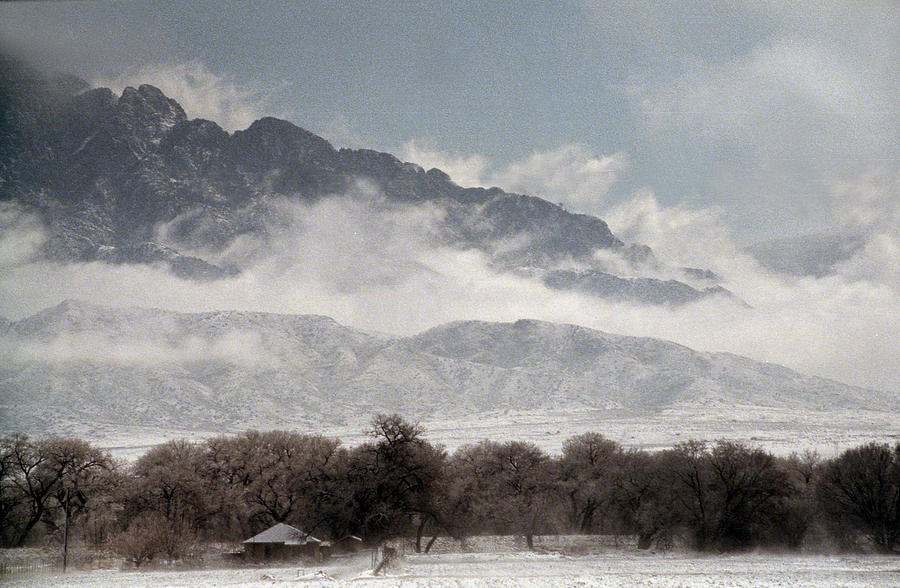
<point x="149" y="536"/>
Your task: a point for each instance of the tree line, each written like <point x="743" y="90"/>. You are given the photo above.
<point x="711" y="497"/>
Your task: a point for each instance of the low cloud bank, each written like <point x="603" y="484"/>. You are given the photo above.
<point x="375" y="265"/>
<point x="242" y="348"/>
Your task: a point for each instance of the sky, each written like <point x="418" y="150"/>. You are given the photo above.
<point x="757" y="107"/>
<point x="697" y="128"/>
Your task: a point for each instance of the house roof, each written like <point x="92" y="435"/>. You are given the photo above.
<point x="285" y="534"/>
<point x="353" y="537"/>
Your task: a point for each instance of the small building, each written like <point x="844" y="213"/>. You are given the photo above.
<point x="283" y="542"/>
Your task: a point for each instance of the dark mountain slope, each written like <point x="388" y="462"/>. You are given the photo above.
<point x="104" y="172"/>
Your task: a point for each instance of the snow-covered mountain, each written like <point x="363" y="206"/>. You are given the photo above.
<point x="78" y="365"/>
<point x="106" y="173"/>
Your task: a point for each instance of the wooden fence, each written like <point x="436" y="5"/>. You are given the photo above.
<point x="11" y="571"/>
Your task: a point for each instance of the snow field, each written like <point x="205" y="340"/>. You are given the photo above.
<point x="624" y="567"/>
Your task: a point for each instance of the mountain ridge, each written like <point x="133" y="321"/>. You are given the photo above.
<point x="104" y="172"/>
<point x="76" y="365"/>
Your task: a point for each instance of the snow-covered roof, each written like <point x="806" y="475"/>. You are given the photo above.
<point x="285" y="534"/>
<point x="354" y="537"/>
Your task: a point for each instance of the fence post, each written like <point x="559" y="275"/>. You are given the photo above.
<point x="66" y="534"/>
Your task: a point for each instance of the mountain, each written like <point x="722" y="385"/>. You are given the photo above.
<point x="104" y="172"/>
<point x="78" y="366"/>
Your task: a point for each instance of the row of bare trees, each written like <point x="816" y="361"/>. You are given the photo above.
<point x="723" y="496"/>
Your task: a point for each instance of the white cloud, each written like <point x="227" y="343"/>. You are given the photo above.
<point x="770" y="127"/>
<point x="466" y="170"/>
<point x="844" y="326"/>
<point x="867" y="201"/>
<point x="371" y="264"/>
<point x="571" y="175"/>
<point x="202" y="93"/>
<point x="21" y="234"/>
<point x="679" y="236"/>
<point x="775" y="99"/>
<point x="869" y="205"/>
<point x="877" y="261"/>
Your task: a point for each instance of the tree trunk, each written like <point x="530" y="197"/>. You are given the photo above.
<point x="32" y="521"/>
<point x="420" y="530"/>
<point x="431" y="542"/>
<point x="587" y="519"/>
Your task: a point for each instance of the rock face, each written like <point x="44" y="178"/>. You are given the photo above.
<point x="104" y="172"/>
<point x="77" y="366"/>
<point x="606" y="285"/>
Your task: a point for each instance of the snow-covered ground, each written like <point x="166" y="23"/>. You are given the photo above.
<point x="615" y="567"/>
<point x="780" y="431"/>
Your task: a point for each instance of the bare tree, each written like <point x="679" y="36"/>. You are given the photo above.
<point x="860" y="492"/>
<point x="275" y="476"/>
<point x="635" y="501"/>
<point x="728" y="496"/>
<point x="166" y="481"/>
<point x="511" y="484"/>
<point x="801" y="516"/>
<point x="37" y="474"/>
<point x="395" y="480"/>
<point x="586" y="470"/>
<point x="150" y="535"/>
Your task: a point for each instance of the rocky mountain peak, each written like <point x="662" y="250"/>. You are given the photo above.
<point x="105" y="172"/>
<point x="270" y="140"/>
<point x="196" y="140"/>
<point x="147" y="110"/>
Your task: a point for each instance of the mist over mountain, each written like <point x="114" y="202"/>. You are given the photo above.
<point x="130" y="179"/>
<point x="121" y="198"/>
<point x="77" y="367"/>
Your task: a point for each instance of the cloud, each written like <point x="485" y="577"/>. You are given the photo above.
<point x="773" y="99"/>
<point x="869" y="205"/>
<point x="373" y="264"/>
<point x="240" y="347"/>
<point x="845" y="325"/>
<point x="572" y="174"/>
<point x="869" y="201"/>
<point x="466" y="170"/>
<point x="801" y="96"/>
<point x="679" y="235"/>
<point x="343" y="243"/>
<point x="21" y="234"/>
<point x="877" y="261"/>
<point x="202" y="93"/>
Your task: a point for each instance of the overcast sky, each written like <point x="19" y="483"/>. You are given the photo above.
<point x="757" y="107"/>
<point x="693" y="127"/>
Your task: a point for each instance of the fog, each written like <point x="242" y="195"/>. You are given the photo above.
<point x="241" y="347"/>
<point x="376" y="265"/>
